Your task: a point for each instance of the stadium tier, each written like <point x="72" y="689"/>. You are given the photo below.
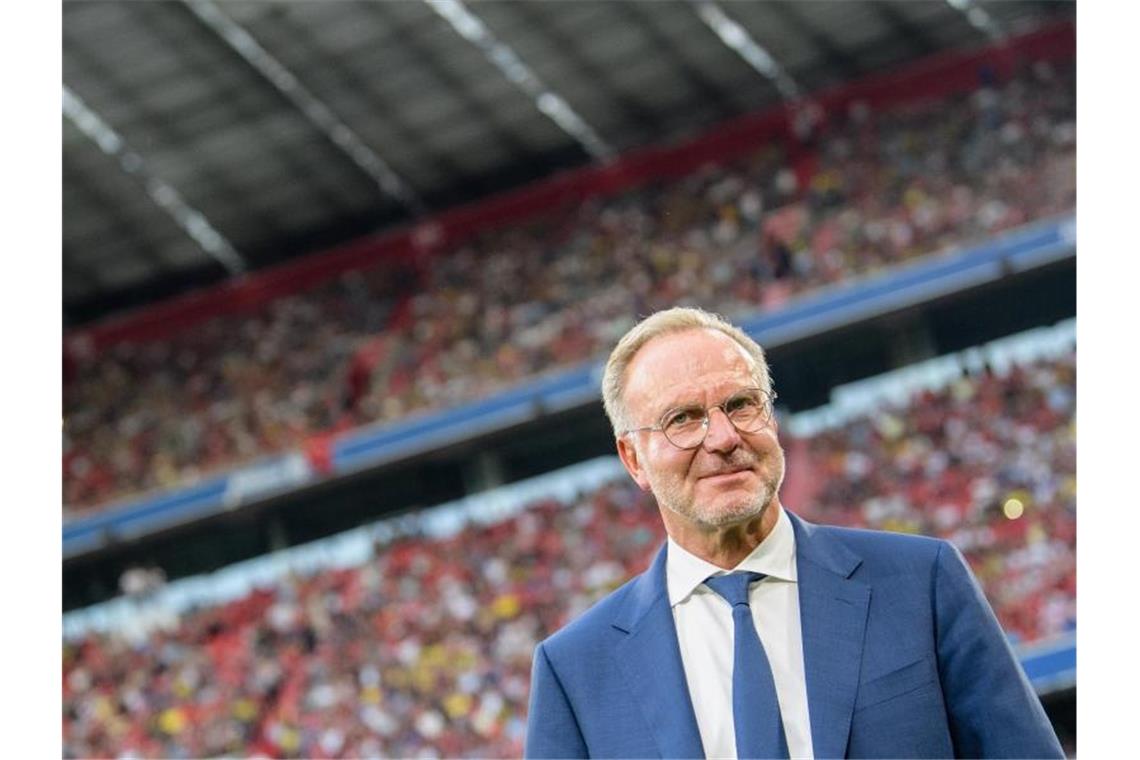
<point x="413" y="637"/>
<point x="859" y="195"/>
<point x="353" y="450"/>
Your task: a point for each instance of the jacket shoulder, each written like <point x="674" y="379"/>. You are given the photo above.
<point x="879" y="551"/>
<point x="876" y="539"/>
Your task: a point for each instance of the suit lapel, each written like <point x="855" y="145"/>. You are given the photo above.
<point x="650" y="658"/>
<point x="833" y="618"/>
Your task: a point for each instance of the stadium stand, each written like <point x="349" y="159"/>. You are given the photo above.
<point x="412" y="637"/>
<point x="861" y="191"/>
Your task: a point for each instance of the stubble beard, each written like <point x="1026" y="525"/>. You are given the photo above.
<point x="671" y="496"/>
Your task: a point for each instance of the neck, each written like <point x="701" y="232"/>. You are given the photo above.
<point x="724" y="546"/>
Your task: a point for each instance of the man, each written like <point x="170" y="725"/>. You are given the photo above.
<point x="756" y="633"/>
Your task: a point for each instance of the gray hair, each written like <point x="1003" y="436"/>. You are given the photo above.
<point x="677" y="319"/>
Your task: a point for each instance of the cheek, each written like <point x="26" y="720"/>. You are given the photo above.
<point x="669" y="464"/>
<point x="765" y="442"/>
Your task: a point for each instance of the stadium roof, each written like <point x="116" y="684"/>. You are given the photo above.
<point x="203" y="139"/>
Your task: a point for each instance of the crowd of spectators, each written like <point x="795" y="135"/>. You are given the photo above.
<point x="857" y="192"/>
<point x="988" y="463"/>
<point x="424" y="650"/>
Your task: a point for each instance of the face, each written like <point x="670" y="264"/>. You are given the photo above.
<point x="730" y="478"/>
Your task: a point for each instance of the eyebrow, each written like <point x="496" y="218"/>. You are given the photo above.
<point x="684" y="405"/>
<point x="697" y="405"/>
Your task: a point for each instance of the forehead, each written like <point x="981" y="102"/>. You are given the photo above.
<point x="685" y="366"/>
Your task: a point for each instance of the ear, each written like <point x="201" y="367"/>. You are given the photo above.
<point x="628" y="455"/>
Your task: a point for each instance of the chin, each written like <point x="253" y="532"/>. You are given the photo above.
<point x="732" y="513"/>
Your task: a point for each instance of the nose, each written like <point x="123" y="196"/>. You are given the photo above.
<point x="722" y="435"/>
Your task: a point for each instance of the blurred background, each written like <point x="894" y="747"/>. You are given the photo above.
<point x="338" y="279"/>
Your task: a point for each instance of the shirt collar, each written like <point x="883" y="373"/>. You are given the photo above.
<point x="775" y="556"/>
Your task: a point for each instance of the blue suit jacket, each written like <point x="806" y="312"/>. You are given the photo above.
<point x="902" y="656"/>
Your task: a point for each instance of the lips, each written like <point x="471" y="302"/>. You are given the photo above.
<point x="732" y="465"/>
<point x="724" y="473"/>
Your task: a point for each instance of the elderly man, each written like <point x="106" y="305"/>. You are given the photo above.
<point x="756" y="633"/>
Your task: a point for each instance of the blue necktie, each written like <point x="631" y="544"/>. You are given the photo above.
<point x="755" y="711"/>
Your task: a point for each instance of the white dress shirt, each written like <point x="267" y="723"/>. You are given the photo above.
<point x="705" y="633"/>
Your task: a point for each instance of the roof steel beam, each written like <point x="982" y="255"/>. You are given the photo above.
<point x="507" y="61"/>
<point x="456" y="87"/>
<point x="192" y="222"/>
<point x="714" y="90"/>
<point x="632" y="111"/>
<point x="122" y="225"/>
<point x="979" y="18"/>
<point x="163" y="129"/>
<point x="301" y="36"/>
<point x="319" y="114"/>
<point x="737" y="39"/>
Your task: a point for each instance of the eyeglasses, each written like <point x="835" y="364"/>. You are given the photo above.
<point x="685" y="427"/>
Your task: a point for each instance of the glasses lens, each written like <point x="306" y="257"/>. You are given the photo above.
<point x="748" y="411"/>
<point x="685" y="428"/>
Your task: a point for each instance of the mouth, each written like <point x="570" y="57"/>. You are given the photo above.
<point x="725" y="474"/>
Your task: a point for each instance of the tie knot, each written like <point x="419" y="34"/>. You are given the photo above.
<point x="733" y="588"/>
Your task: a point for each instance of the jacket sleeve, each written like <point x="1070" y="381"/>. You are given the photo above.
<point x="552" y="730"/>
<point x="992" y="708"/>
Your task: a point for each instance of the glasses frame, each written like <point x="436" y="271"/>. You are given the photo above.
<point x="770" y="412"/>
